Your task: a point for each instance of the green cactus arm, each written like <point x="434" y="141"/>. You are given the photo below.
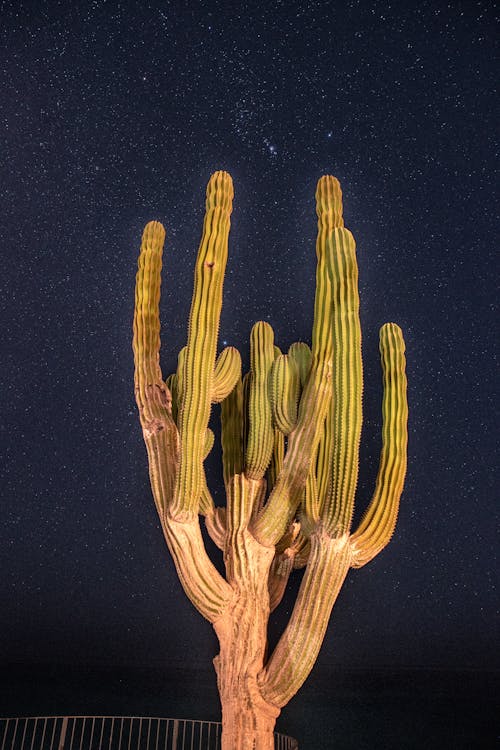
<point x="208" y="442"/>
<point x="378" y="523"/>
<point x="227" y="372"/>
<point x="152" y="396"/>
<point x="198" y="369"/>
<point x="278" y="452"/>
<point x="260" y="433"/>
<point x="204" y="586"/>
<point x="347" y="385"/>
<point x="329" y="212"/>
<point x="310" y="506"/>
<point x="302" y="355"/>
<point x="284" y="387"/>
<point x="245" y="409"/>
<point x="277" y="457"/>
<point x="201" y="581"/>
<point x="280" y="509"/>
<point x="297" y="650"/>
<point x="338" y="461"/>
<point x="232" y="432"/>
<point x="206" y="506"/>
<point x="324" y="457"/>
<point x="181" y="358"/>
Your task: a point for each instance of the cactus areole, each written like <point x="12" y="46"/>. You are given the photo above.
<point x="290" y="431"/>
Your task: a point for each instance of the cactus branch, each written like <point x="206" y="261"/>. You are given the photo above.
<point x="199" y="364"/>
<point x="298" y="647"/>
<point x="377" y="525"/>
<point x="260" y="434"/>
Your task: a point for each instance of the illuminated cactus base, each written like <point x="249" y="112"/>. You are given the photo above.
<point x="290" y="431"/>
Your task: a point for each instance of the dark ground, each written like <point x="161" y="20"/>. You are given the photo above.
<point x="348" y="710"/>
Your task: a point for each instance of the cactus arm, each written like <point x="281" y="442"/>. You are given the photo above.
<point x="277" y="456"/>
<point x="245" y="406"/>
<point x="277" y="515"/>
<point x="208" y="442"/>
<point x="200" y="579"/>
<point x="204" y="586"/>
<point x="338" y="454"/>
<point x="198" y="369"/>
<point x="301" y="353"/>
<point x="299" y="645"/>
<point x="152" y="396"/>
<point x="377" y="525"/>
<point x="285" y="385"/>
<point x="278" y="453"/>
<point x="346" y="415"/>
<point x="260" y="433"/>
<point x="181" y="358"/>
<point x="227" y="372"/>
<point x="329" y="212"/>
<point x="232" y="432"/>
<point x="309" y="516"/>
<point x="206" y="506"/>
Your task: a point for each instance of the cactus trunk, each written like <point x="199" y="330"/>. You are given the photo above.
<point x="247" y="719"/>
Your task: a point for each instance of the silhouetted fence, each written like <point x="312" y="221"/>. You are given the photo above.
<point x="115" y="733"/>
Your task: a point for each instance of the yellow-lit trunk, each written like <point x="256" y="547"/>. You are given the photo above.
<point x="247" y="719"/>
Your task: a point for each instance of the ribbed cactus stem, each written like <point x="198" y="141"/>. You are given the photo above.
<point x="284" y="386"/>
<point x="152" y="396"/>
<point x="343" y="429"/>
<point x="199" y="364"/>
<point x="260" y="434"/>
<point x="298" y="647"/>
<point x="232" y="433"/>
<point x="301" y="353"/>
<point x="377" y="525"/>
<point x="227" y="373"/>
<point x="146" y="342"/>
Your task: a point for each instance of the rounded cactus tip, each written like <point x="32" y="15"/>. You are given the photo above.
<point x="220" y="190"/>
<point x="391" y="328"/>
<point x="154" y="234"/>
<point x="391" y="335"/>
<point x="329" y="197"/>
<point x="328" y="180"/>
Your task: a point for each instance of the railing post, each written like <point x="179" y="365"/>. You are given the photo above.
<point x="175" y="734"/>
<point x="62" y="736"/>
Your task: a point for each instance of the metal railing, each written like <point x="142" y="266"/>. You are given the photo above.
<point x="116" y="733"/>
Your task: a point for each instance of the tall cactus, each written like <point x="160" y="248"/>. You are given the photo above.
<point x="290" y="440"/>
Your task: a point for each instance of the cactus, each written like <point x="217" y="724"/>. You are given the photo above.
<point x="290" y="438"/>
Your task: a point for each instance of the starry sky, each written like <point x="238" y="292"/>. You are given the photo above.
<point x="115" y="113"/>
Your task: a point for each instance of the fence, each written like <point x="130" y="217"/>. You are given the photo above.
<point x="115" y="733"/>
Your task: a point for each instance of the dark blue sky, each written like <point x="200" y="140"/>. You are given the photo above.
<point x="112" y="114"/>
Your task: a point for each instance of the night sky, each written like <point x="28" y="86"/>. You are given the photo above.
<point x="115" y="113"/>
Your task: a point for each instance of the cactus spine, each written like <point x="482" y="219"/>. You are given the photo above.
<point x="287" y="507"/>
